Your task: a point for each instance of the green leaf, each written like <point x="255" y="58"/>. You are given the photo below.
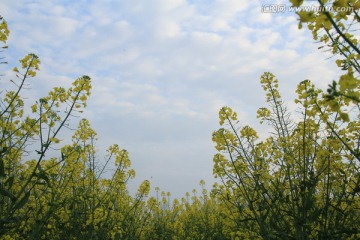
<point x="344" y="117"/>
<point x="42" y="175"/>
<point x="23" y="201"/>
<point x="296" y="3"/>
<point x="7" y="194"/>
<point x="9" y="182"/>
<point x="2" y="168"/>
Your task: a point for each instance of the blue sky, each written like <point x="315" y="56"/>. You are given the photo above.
<point x="162" y="69"/>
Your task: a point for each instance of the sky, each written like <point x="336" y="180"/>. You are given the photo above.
<point x="162" y="69"/>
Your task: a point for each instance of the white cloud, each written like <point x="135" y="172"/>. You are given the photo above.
<point x="227" y="9"/>
<point x="206" y="39"/>
<point x="220" y="25"/>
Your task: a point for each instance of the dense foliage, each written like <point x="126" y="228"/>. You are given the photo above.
<point x="301" y="182"/>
